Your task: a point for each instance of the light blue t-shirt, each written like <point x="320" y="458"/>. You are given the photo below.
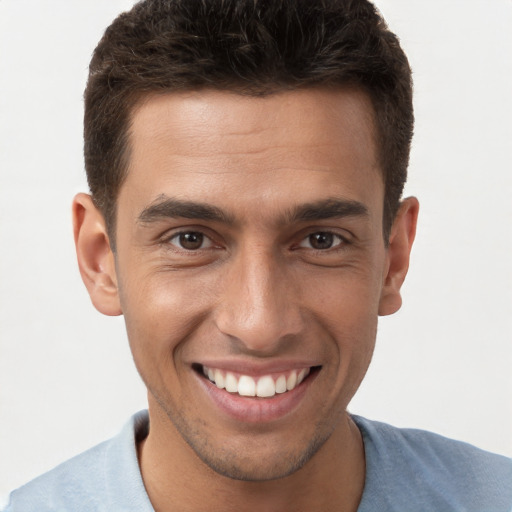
<point x="406" y="470"/>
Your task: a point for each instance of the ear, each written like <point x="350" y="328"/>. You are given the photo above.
<point x="401" y="239"/>
<point x="95" y="257"/>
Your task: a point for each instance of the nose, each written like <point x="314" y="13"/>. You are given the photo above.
<point x="258" y="307"/>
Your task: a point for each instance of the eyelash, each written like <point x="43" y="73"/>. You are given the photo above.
<point x="342" y="241"/>
<point x="176" y="236"/>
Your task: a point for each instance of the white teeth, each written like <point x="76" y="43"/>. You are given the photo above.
<point x="246" y="386"/>
<point x="281" y="384"/>
<point x="266" y="387"/>
<point x="291" y="381"/>
<point x="231" y="383"/>
<point x="219" y="379"/>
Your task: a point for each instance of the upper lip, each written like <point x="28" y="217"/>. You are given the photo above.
<point x="258" y="369"/>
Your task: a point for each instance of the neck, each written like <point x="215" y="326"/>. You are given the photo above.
<point x="176" y="479"/>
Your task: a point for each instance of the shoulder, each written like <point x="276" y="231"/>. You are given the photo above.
<point x="91" y="481"/>
<point x="415" y="466"/>
<point x="67" y="485"/>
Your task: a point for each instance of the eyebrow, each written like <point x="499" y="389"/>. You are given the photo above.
<point x="168" y="207"/>
<point x="327" y="209"/>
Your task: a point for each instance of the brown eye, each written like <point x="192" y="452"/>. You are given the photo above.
<point x="322" y="240"/>
<point x="191" y="241"/>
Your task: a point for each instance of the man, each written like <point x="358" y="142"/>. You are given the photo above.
<point x="246" y="162"/>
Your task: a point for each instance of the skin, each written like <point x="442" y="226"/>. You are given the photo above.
<point x="257" y="292"/>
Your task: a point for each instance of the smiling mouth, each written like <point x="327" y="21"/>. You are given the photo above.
<point x="264" y="386"/>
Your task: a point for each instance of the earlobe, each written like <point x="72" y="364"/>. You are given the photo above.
<point x="401" y="239"/>
<point x="95" y="256"/>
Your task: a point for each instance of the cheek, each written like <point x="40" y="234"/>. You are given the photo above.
<point x="351" y="324"/>
<point x="347" y="298"/>
<point x="347" y="308"/>
<point x="161" y="311"/>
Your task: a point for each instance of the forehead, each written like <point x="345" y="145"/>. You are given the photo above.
<point x="227" y="148"/>
<point x="197" y="120"/>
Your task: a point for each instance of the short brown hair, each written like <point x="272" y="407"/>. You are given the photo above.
<point x="253" y="47"/>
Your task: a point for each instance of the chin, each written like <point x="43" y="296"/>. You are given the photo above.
<point x="252" y="464"/>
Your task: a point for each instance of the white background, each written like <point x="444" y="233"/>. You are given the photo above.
<point x="443" y="363"/>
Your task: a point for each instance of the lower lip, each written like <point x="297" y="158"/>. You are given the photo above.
<point x="253" y="409"/>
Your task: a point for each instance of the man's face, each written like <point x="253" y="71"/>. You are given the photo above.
<point x="250" y="255"/>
